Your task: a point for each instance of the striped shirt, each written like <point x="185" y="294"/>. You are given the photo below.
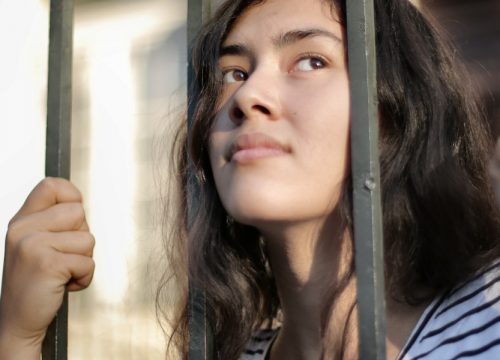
<point x="463" y="323"/>
<point x="259" y="345"/>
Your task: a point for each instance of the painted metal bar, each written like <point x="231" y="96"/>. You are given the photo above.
<point x="58" y="141"/>
<point x="367" y="211"/>
<point x="200" y="336"/>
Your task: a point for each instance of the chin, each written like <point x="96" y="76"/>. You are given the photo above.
<point x="277" y="209"/>
<point x="253" y="210"/>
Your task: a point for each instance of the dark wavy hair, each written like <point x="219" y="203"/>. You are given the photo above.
<point x="440" y="221"/>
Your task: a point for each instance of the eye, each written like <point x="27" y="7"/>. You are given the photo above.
<point x="234" y="75"/>
<point x="310" y="63"/>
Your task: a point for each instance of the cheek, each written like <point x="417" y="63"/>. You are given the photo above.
<point x="219" y="131"/>
<point x="215" y="151"/>
<point x="323" y="97"/>
<point x="322" y="126"/>
<point x="217" y="147"/>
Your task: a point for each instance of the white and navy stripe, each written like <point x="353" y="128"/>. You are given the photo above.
<point x="462" y="324"/>
<point x="259" y="345"/>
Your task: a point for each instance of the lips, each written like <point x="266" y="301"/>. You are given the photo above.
<point x="250" y="147"/>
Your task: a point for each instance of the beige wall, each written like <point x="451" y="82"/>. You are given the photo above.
<point x="129" y="76"/>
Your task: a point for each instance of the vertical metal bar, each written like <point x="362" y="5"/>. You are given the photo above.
<point x="366" y="179"/>
<point x="58" y="143"/>
<point x="200" y="337"/>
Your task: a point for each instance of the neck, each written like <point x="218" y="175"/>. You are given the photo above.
<point x="308" y="261"/>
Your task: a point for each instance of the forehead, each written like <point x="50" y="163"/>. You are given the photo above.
<point x="277" y="16"/>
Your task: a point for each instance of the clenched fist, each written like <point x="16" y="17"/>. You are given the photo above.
<point x="48" y="250"/>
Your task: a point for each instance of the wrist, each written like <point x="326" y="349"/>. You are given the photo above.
<point x="13" y="347"/>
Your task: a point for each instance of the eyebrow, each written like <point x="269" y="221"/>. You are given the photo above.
<point x="235" y="49"/>
<point x="291" y="37"/>
<point x="282" y="40"/>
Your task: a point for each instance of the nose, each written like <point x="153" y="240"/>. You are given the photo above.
<point x="257" y="97"/>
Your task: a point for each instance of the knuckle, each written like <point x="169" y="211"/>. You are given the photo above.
<point x="27" y="248"/>
<point x="47" y="263"/>
<point x="11" y="222"/>
<point x="91" y="241"/>
<point x="88" y="241"/>
<point x="91" y="269"/>
<point x="48" y="184"/>
<point x="71" y="213"/>
<point x="56" y="185"/>
<point x="15" y="230"/>
<point x="11" y="236"/>
<point x="91" y="265"/>
<point x="30" y="252"/>
<point x="78" y="212"/>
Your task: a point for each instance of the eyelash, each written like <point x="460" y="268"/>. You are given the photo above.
<point x="312" y="56"/>
<point x="307" y="56"/>
<point x="232" y="70"/>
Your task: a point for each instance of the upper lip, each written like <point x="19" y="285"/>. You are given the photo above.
<point x="252" y="141"/>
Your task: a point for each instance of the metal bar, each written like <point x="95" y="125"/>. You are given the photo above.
<point x="367" y="211"/>
<point x="200" y="341"/>
<point x="58" y="142"/>
<point x="200" y="337"/>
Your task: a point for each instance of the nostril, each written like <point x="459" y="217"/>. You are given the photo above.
<point x="262" y="109"/>
<point x="238" y="114"/>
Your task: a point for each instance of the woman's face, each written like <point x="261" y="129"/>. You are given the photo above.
<point x="279" y="146"/>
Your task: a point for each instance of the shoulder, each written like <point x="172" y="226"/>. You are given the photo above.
<point x="258" y="346"/>
<point x="463" y="323"/>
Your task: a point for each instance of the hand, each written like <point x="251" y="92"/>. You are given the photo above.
<point x="48" y="250"/>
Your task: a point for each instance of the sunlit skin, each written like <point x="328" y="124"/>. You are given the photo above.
<point x="286" y="80"/>
<point x="279" y="151"/>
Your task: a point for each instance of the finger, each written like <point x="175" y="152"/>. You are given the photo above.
<point x="48" y="192"/>
<point x="85" y="225"/>
<point x="81" y="270"/>
<point x="60" y="217"/>
<point x="71" y="242"/>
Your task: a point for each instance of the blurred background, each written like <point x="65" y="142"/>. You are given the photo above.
<point x="129" y="91"/>
<point x="474" y="27"/>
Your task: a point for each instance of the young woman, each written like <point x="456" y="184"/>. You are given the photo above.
<point x="270" y="238"/>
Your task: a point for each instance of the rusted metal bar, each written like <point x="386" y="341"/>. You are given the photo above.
<point x="367" y="211"/>
<point x="58" y="142"/>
